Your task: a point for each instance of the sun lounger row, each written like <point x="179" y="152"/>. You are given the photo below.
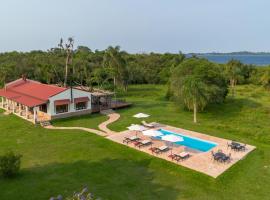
<point x="138" y="142"/>
<point x="157" y="150"/>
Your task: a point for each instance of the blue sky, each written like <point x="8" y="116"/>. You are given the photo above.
<point x="137" y="26"/>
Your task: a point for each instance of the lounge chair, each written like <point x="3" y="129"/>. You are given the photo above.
<point x="143" y="143"/>
<point x="131" y="139"/>
<point x="181" y="156"/>
<point x="161" y="149"/>
<point x="148" y="125"/>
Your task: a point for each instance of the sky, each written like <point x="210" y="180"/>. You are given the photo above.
<point x="137" y="25"/>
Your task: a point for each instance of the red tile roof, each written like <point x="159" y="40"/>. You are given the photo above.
<point x="30" y="93"/>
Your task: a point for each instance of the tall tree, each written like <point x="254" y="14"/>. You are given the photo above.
<point x="114" y="59"/>
<point x="233" y="72"/>
<point x="196" y="83"/>
<point x="195" y="94"/>
<point x="68" y="48"/>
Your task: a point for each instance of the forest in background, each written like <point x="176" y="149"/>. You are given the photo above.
<point x="91" y="68"/>
<point x="104" y="68"/>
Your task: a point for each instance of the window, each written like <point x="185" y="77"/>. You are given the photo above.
<point x="81" y="105"/>
<point x="61" y="108"/>
<point x="43" y="108"/>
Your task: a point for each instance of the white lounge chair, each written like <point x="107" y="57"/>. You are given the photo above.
<point x="147" y="124"/>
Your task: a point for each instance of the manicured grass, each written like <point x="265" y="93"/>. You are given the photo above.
<point x="60" y="162"/>
<point x="88" y="121"/>
<point x="245" y="118"/>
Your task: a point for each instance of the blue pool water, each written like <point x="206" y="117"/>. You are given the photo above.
<point x="191" y="142"/>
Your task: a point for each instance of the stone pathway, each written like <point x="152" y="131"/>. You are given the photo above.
<point x="113" y="116"/>
<point x="104" y="131"/>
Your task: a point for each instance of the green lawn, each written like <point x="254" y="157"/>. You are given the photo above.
<point x="60" y="162"/>
<point x="245" y="118"/>
<point x="88" y="121"/>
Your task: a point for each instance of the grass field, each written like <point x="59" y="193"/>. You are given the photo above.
<point x="88" y="121"/>
<point x="60" y="162"/>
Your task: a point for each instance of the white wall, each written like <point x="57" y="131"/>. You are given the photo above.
<point x="66" y="95"/>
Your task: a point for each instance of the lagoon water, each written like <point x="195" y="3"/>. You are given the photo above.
<point x="260" y="60"/>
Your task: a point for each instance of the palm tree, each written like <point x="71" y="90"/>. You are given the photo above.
<point x="114" y="60"/>
<point x="194" y="94"/>
<point x="68" y="48"/>
<point x="195" y="83"/>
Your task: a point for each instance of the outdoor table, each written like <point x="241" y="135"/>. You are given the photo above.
<point x="220" y="155"/>
<point x="235" y="144"/>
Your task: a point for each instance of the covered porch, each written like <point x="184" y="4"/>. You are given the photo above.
<point x="30" y="113"/>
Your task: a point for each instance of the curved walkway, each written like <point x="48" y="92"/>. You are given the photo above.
<point x="112" y="118"/>
<point x="104" y="131"/>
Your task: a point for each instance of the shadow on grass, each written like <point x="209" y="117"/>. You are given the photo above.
<point x="108" y="179"/>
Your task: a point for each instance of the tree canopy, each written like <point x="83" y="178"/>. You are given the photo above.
<point x="197" y="82"/>
<point x="92" y="68"/>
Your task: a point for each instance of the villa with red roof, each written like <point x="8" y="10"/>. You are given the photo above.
<point x="39" y="102"/>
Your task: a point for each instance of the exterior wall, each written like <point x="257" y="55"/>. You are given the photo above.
<point x="71" y="114"/>
<point x="66" y="95"/>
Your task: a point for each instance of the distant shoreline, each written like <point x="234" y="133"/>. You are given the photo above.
<point x="244" y="53"/>
<point x="257" y="59"/>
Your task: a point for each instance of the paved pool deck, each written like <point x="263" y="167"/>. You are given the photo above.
<point x="199" y="161"/>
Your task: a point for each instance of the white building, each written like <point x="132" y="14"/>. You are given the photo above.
<point x="38" y="102"/>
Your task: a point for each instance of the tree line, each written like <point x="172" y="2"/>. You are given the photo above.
<point x="194" y="82"/>
<point x="100" y="68"/>
<point x="112" y="66"/>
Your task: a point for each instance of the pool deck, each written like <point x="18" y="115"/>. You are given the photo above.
<point x="199" y="161"/>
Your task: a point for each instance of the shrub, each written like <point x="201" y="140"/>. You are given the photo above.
<point x="10" y="164"/>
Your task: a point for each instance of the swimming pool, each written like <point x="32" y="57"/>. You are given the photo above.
<point x="191" y="142"/>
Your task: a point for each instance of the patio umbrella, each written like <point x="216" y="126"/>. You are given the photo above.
<point x="152" y="133"/>
<point x="172" y="138"/>
<point x="141" y="115"/>
<point x="136" y="127"/>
